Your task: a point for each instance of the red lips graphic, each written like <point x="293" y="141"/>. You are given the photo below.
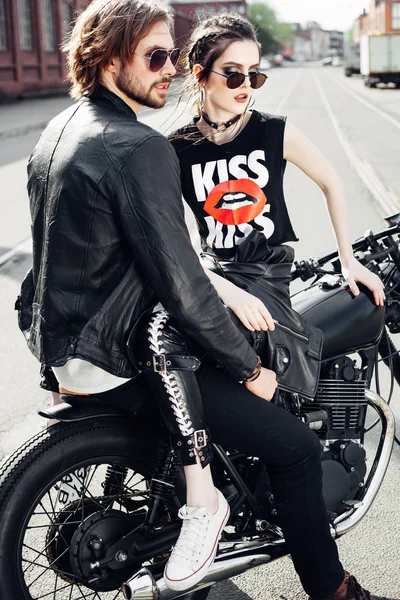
<point x="244" y="196"/>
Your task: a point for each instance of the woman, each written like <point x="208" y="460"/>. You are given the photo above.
<point x="232" y="162"/>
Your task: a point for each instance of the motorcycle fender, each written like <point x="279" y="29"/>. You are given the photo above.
<point x="87" y="409"/>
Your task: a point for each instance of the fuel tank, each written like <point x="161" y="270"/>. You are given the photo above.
<point x="348" y="322"/>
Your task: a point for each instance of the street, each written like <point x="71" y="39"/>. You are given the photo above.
<point x="358" y="129"/>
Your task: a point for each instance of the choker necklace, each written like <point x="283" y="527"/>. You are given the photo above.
<point x="215" y="125"/>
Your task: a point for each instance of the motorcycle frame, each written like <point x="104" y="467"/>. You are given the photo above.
<point x="161" y="541"/>
<point x="144" y="542"/>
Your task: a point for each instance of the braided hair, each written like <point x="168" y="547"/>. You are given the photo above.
<point x="208" y="41"/>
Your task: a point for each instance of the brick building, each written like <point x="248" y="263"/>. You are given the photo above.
<point x="384" y="16"/>
<point x="31" y="32"/>
<point x="360" y="26"/>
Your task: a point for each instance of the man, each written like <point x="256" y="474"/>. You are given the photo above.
<point x="109" y="236"/>
<point x="110" y="242"/>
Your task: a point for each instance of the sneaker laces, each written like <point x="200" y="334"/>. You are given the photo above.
<point x="355" y="591"/>
<point x="195" y="522"/>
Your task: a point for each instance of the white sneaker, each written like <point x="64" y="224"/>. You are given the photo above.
<point x="197" y="545"/>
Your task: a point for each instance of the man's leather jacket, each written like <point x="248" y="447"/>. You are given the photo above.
<point x="110" y="241"/>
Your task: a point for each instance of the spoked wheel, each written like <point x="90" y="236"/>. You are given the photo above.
<point x="65" y="498"/>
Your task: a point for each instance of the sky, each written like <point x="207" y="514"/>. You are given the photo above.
<point x="330" y="14"/>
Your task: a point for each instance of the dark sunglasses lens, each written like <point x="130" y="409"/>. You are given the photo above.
<point x="158" y="60"/>
<point x="235" y="80"/>
<point x="257" y="80"/>
<point x="174" y="56"/>
<point x="160" y="57"/>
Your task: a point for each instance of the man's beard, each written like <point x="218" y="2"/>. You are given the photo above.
<point x="133" y="88"/>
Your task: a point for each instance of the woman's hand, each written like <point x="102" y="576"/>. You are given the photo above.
<point x="355" y="271"/>
<point x="264" y="386"/>
<point x="249" y="309"/>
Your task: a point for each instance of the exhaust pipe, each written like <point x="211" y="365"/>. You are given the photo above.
<point x="143" y="585"/>
<point x="346" y="522"/>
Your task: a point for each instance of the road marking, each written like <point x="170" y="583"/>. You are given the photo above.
<point x="366" y="103"/>
<point x="289" y="92"/>
<point x="24" y="247"/>
<point x="386" y="199"/>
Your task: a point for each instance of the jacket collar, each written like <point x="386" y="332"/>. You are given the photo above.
<point x="105" y="95"/>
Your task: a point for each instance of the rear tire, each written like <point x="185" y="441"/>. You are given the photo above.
<point x="36" y="467"/>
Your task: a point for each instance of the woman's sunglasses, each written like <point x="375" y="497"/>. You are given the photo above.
<point x="159" y="57"/>
<point x="235" y="80"/>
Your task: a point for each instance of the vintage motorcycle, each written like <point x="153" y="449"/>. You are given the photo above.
<point x="88" y="507"/>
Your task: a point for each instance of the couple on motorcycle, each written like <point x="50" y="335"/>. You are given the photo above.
<point x="117" y="288"/>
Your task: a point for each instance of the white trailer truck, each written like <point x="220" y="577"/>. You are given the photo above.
<point x="380" y="59"/>
<point x="351" y="58"/>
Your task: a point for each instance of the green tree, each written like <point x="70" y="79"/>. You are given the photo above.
<point x="271" y="33"/>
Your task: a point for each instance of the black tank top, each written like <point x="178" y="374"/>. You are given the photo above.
<point x="236" y="187"/>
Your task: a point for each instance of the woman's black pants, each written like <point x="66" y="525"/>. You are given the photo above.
<point x="189" y="397"/>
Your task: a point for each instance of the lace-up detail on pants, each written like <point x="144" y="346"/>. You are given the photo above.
<point x="169" y="369"/>
<point x="169" y="379"/>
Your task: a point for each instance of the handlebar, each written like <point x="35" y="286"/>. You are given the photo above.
<point x="367" y="247"/>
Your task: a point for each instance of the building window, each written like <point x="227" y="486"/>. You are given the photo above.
<point x="396" y="15"/>
<point x="67" y="18"/>
<point x="25" y="24"/>
<point x="3" y="26"/>
<point x="49" y="33"/>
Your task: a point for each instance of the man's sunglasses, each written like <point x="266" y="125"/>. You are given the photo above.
<point x="235" y="80"/>
<point x="159" y="57"/>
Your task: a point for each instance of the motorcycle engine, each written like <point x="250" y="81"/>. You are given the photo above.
<point x="341" y="394"/>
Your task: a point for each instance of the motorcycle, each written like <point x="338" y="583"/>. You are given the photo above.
<point x="88" y="507"/>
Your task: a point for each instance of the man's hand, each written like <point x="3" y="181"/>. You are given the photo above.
<point x="264" y="386"/>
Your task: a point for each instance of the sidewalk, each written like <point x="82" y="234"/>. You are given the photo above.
<point x="20" y="125"/>
<point x="24" y="116"/>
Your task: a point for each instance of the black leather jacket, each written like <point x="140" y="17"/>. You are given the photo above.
<point x="110" y="241"/>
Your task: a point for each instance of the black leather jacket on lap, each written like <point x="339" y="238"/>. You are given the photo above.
<point x="110" y="241"/>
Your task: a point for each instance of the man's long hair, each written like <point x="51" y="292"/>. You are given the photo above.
<point x="105" y="30"/>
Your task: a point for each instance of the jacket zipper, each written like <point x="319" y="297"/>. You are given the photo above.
<point x="301" y="336"/>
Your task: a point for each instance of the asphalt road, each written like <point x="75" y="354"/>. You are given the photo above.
<point x="358" y="129"/>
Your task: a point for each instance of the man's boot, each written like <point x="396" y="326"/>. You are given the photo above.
<point x="351" y="590"/>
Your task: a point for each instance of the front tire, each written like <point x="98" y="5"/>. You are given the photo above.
<point x="29" y="504"/>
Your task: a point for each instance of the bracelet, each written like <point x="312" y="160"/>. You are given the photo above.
<point x="255" y="373"/>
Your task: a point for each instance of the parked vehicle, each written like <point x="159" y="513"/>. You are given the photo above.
<point x="265" y="64"/>
<point x="277" y="61"/>
<point x="327" y="61"/>
<point x="380" y="59"/>
<point x="337" y="61"/>
<point x="89" y="506"/>
<point x="351" y="58"/>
